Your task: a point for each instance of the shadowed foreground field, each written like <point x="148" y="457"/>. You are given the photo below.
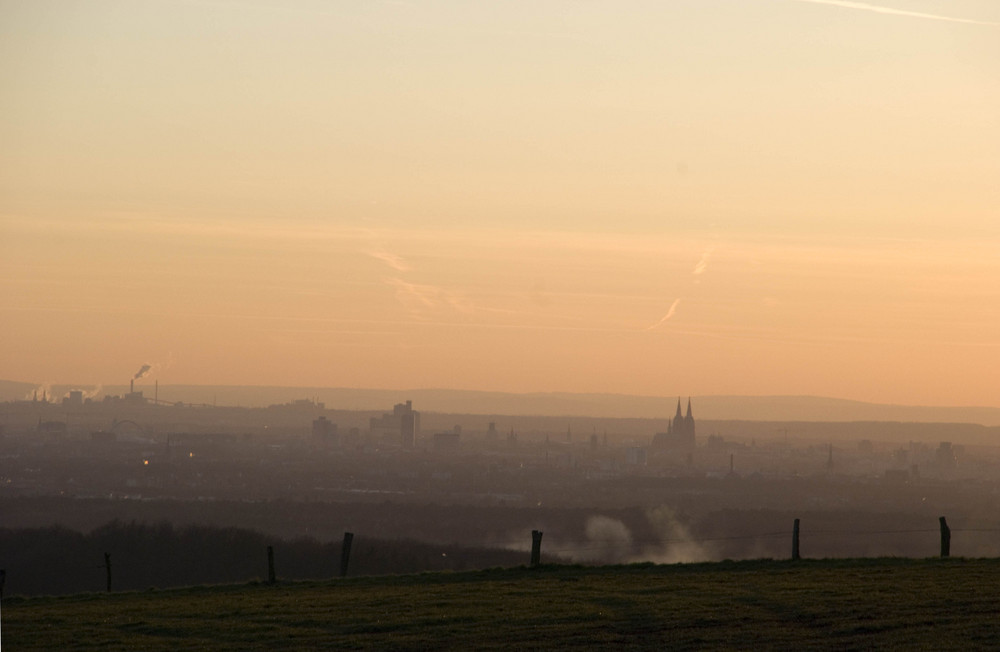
<point x="829" y="604"/>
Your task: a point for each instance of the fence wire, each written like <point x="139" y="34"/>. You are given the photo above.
<point x="604" y="544"/>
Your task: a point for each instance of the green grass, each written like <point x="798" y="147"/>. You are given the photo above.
<point x="829" y="604"/>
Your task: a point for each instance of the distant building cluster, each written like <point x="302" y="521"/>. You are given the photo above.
<point x="401" y="425"/>
<point x="199" y="432"/>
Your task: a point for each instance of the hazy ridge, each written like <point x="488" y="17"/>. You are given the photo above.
<point x="720" y="408"/>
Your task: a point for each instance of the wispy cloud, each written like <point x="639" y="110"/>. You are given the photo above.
<point x="702" y="265"/>
<point x="864" y="6"/>
<point x="666" y="317"/>
<point x="392" y="260"/>
<point x="419" y="296"/>
<point x="410" y="293"/>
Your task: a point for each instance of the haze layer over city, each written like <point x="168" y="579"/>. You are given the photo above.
<point x="655" y="278"/>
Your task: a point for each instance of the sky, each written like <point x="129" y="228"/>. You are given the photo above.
<point x="672" y="197"/>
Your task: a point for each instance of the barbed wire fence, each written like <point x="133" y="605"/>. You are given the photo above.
<point x="566" y="552"/>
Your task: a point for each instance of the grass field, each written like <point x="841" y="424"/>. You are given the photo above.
<point x="830" y="604"/>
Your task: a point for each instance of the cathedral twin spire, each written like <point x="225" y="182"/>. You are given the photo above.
<point x="680" y="431"/>
<point x="683" y="424"/>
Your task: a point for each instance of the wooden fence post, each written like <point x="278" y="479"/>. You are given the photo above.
<point x="795" y="540"/>
<point x="945" y="538"/>
<point x="107" y="567"/>
<point x="536" y="547"/>
<point x="345" y="553"/>
<point x="3" y="580"/>
<point x="270" y="565"/>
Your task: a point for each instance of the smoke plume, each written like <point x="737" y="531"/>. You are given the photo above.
<point x="678" y="545"/>
<point x="42" y="391"/>
<point x="608" y="540"/>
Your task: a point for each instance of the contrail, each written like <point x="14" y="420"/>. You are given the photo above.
<point x="666" y="317"/>
<point x="898" y="12"/>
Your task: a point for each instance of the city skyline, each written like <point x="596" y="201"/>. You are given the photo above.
<point x="776" y="197"/>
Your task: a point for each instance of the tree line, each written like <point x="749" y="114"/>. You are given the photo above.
<point x="57" y="560"/>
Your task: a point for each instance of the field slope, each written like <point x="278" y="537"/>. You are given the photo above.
<point x="829" y="604"/>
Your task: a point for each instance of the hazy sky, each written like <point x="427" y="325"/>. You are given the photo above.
<point x="665" y="197"/>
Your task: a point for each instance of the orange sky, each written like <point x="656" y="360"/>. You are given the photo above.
<point x="711" y="197"/>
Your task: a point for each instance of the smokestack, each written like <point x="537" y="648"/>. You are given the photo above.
<point x="131" y="386"/>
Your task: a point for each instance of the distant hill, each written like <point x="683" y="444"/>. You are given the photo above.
<point x="719" y="408"/>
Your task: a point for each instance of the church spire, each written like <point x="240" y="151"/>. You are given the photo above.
<point x="678" y="415"/>
<point x="689" y="409"/>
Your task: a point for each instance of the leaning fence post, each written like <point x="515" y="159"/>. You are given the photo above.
<point x="345" y="553"/>
<point x="536" y="547"/>
<point x="795" y="540"/>
<point x="945" y="538"/>
<point x="107" y="567"/>
<point x="270" y="565"/>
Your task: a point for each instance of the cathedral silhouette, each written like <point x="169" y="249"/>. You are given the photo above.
<point x="680" y="431"/>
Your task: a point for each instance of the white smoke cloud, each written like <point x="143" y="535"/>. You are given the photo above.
<point x="864" y="6"/>
<point x="678" y="545"/>
<point x="608" y="540"/>
<point x="93" y="392"/>
<point x="44" y="390"/>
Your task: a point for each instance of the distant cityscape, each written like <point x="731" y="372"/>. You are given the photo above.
<point x="141" y="445"/>
<point x="705" y="489"/>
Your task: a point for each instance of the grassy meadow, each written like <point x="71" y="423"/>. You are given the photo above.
<point x="827" y="604"/>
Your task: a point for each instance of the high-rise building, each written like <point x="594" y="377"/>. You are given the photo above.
<point x="402" y="424"/>
<point x="324" y="432"/>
